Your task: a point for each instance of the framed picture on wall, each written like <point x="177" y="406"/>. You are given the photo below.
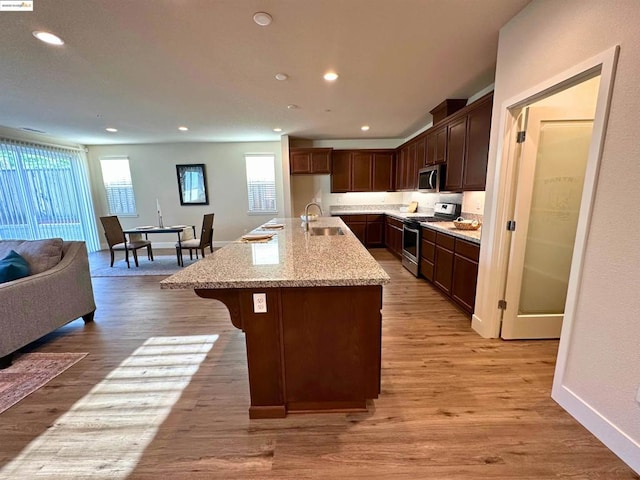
<point x="192" y="184"/>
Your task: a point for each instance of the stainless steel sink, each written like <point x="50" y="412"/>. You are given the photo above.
<point x="326" y="231"/>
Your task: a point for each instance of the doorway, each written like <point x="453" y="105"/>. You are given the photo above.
<point x="550" y="158"/>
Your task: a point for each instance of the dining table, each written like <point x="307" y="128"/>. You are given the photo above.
<point x="150" y="229"/>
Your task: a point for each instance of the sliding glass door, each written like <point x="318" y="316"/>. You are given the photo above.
<point x="44" y="193"/>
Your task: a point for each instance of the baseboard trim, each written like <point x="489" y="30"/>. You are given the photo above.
<point x="611" y="436"/>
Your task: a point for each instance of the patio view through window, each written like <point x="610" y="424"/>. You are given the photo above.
<point x="116" y="176"/>
<point x="44" y="193"/>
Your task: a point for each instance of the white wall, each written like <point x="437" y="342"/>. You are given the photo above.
<point x="603" y="363"/>
<point x="153" y="171"/>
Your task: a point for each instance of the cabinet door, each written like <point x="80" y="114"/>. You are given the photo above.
<point x="401" y="165"/>
<point x="382" y="166"/>
<point x="341" y="172"/>
<point x="397" y="241"/>
<point x="441" y="145"/>
<point x="421" y="152"/>
<point x="299" y="162"/>
<point x="465" y="277"/>
<point x="443" y="276"/>
<point x="359" y="229"/>
<point x="321" y="161"/>
<point x="361" y="172"/>
<point x="412" y="167"/>
<point x="375" y="234"/>
<point x="478" y="133"/>
<point x="455" y="154"/>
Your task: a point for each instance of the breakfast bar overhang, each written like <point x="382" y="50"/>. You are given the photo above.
<point x="310" y="308"/>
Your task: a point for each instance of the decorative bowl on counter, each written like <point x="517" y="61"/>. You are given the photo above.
<point x="462" y="224"/>
<point x="312" y="217"/>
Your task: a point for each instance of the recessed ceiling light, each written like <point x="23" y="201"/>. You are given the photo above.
<point x="262" y="18"/>
<point x="331" y="76"/>
<point x="277" y="129"/>
<point x="364" y="128"/>
<point x="292" y="106"/>
<point x="49" y="38"/>
<point x="183" y="129"/>
<point x="281" y="76"/>
<point x="111" y="129"/>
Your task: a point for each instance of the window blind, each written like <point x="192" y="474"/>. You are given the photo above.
<point x="261" y="183"/>
<point x="44" y="193"/>
<point x="116" y="176"/>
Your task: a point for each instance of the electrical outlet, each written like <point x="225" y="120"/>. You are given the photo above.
<point x="259" y="303"/>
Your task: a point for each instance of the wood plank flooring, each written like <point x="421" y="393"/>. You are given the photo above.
<point x="453" y="405"/>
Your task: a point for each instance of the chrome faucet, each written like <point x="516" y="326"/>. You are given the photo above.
<point x="306" y="214"/>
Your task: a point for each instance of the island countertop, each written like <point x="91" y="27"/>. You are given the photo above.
<point x="292" y="258"/>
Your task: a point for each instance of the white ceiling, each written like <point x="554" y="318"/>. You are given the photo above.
<point x="148" y="66"/>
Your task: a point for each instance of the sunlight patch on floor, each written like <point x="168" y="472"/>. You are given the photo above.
<point x="106" y="432"/>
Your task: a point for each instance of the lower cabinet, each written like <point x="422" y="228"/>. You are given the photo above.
<point x="368" y="228"/>
<point x="393" y="235"/>
<point x="451" y="264"/>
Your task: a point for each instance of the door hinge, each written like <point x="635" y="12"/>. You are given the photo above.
<point x="502" y="304"/>
<point x="521" y="136"/>
<point x="511" y="226"/>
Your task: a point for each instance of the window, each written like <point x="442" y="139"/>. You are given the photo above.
<point x="116" y="176"/>
<point x="44" y="193"/>
<point x="261" y="183"/>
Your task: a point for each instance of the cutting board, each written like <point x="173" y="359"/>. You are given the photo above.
<point x="413" y="206"/>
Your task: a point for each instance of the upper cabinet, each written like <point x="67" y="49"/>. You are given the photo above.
<point x="468" y="146"/>
<point x="362" y="171"/>
<point x="304" y="161"/>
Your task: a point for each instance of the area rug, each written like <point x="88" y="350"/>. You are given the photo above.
<point x="161" y="265"/>
<point x="29" y="372"/>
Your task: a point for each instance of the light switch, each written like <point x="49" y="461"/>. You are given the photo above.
<point x="259" y="303"/>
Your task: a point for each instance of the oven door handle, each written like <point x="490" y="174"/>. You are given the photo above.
<point x="412" y="230"/>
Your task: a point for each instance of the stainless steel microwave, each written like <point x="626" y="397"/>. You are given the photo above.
<point x="430" y="178"/>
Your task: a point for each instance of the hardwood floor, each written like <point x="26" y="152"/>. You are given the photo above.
<point x="453" y="405"/>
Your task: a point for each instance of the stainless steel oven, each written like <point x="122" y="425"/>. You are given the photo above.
<point x="411" y="233"/>
<point x="411" y="245"/>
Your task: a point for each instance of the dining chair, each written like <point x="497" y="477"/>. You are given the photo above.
<point x="118" y="241"/>
<point x="187" y="242"/>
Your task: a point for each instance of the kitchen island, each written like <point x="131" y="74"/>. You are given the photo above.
<point x="310" y="309"/>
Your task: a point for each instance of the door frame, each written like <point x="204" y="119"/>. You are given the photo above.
<point x="495" y="246"/>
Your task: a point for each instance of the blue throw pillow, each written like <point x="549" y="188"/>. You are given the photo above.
<point x="13" y="267"/>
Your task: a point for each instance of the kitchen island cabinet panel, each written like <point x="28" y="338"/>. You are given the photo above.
<point x="321" y="326"/>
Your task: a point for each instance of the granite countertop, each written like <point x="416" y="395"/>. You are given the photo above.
<point x="292" y="258"/>
<point x="446" y="227"/>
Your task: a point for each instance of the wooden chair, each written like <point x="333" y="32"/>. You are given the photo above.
<point x="118" y="241"/>
<point x="187" y="241"/>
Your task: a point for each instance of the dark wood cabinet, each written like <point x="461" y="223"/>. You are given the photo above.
<point x="421" y="153"/>
<point x="362" y="171"/>
<point x="436" y="146"/>
<point x="393" y="235"/>
<point x="375" y="230"/>
<point x="341" y="171"/>
<point x="451" y="264"/>
<point x="456" y="141"/>
<point x="368" y="228"/>
<point x="477" y="143"/>
<point x="443" y="276"/>
<point x="383" y="172"/>
<point x="428" y="254"/>
<point x="304" y="161"/>
<point x="465" y="274"/>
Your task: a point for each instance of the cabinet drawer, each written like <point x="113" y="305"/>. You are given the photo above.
<point x="426" y="269"/>
<point x="375" y="218"/>
<point x="467" y="249"/>
<point x="445" y="241"/>
<point x="395" y="222"/>
<point x="428" y="250"/>
<point x="353" y="218"/>
<point x="428" y="234"/>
